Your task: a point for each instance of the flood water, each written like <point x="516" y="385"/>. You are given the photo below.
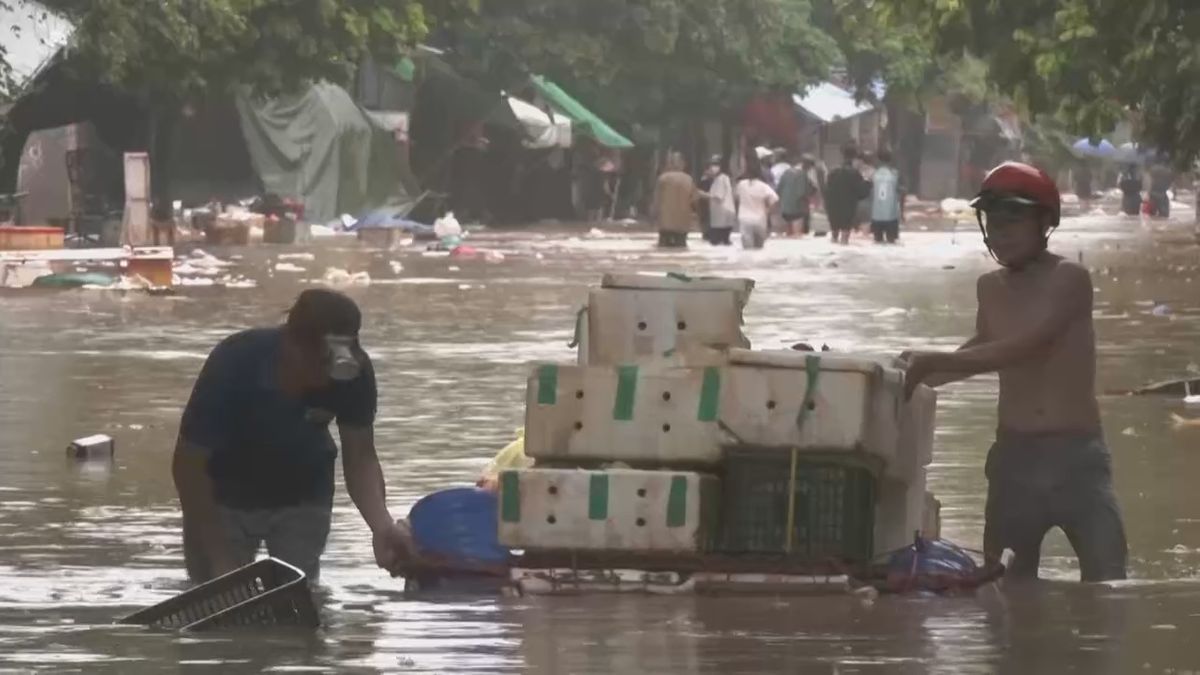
<point x="81" y="545"/>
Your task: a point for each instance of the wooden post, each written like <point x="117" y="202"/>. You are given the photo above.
<point x="135" y="228"/>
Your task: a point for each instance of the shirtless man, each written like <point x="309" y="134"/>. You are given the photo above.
<point x="1049" y="465"/>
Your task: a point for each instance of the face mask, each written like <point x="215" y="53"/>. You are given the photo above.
<point x="340" y="361"/>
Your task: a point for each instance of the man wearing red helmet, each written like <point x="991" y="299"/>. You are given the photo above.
<point x="1049" y="466"/>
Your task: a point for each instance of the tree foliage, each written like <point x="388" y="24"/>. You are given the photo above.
<point x="179" y="49"/>
<point x="1090" y="63"/>
<point x="646" y="60"/>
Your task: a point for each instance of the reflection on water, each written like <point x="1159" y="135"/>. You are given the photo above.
<point x="84" y="544"/>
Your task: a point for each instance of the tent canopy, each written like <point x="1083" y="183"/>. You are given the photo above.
<point x="541" y="130"/>
<point x="585" y="121"/>
<point x="322" y="147"/>
<point x="828" y="102"/>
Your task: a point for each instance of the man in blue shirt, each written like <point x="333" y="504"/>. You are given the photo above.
<point x="887" y="200"/>
<point x="254" y="462"/>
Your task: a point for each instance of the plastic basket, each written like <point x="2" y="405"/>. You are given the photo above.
<point x="268" y="592"/>
<point x="833" y="508"/>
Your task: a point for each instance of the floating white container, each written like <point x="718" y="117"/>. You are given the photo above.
<point x="614" y="510"/>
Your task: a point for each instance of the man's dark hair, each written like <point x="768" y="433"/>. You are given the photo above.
<point x="885" y="156"/>
<point x="849" y="153"/>
<point x="319" y="312"/>
<point x="754" y="171"/>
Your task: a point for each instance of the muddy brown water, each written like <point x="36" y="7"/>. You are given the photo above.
<point x="81" y="545"/>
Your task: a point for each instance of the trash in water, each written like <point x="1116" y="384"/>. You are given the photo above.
<point x="1129" y="431"/>
<point x="1161" y="310"/>
<point x="288" y="267"/>
<point x="1181" y="422"/>
<point x="397" y="268"/>
<point x="596" y="233"/>
<point x="890" y="312"/>
<point x="454" y="268"/>
<point x="97" y="446"/>
<point x="335" y="276"/>
<point x="297" y="256"/>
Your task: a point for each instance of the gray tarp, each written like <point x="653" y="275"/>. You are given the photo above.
<point x="320" y="146"/>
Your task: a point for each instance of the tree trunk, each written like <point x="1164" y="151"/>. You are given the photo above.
<point x="162" y="121"/>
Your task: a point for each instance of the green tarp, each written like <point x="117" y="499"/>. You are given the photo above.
<point x="321" y="147"/>
<point x="585" y="121"/>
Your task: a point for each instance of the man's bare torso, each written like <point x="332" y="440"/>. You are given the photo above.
<point x="1055" y="391"/>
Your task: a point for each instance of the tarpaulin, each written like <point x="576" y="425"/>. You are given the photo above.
<point x="322" y="148"/>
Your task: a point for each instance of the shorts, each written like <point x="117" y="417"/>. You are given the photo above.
<point x="1040" y="481"/>
<point x="294" y="534"/>
<point x="885" y="230"/>
<point x="753" y="235"/>
<point x="672" y="239"/>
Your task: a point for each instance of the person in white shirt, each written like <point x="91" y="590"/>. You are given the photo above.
<point x="755" y="201"/>
<point x="722" y="206"/>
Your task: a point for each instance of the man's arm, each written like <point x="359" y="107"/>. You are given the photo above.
<point x="364" y="476"/>
<point x="189" y="468"/>
<point x="943" y="378"/>
<point x="1070" y="298"/>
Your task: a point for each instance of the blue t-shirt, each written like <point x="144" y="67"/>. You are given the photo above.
<point x="269" y="450"/>
<point x="885" y="195"/>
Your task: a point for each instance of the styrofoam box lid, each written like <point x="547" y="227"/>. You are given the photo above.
<point x="843" y="363"/>
<point x="676" y="282"/>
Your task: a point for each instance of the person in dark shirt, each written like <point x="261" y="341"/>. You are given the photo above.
<point x="254" y="462"/>
<point x="844" y="189"/>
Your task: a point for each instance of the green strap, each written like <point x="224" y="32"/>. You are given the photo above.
<point x="678" y="276"/>
<point x="677" y="502"/>
<point x="598" y="496"/>
<point x="627" y="377"/>
<point x="812" y="369"/>
<point x="547" y="385"/>
<point x="510" y="497"/>
<point x="710" y="395"/>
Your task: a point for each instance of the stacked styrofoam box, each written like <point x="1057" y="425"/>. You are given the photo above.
<point x="647" y="318"/>
<point x="633" y="328"/>
<point x="652" y="393"/>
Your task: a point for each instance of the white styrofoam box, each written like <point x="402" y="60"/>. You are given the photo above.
<point x="636" y="414"/>
<point x="917" y="424"/>
<point x="855" y="405"/>
<point x="899" y="512"/>
<point x="638" y="326"/>
<point x="679" y="282"/>
<point x="614" y="510"/>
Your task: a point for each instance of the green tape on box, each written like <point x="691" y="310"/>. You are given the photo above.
<point x="510" y="497"/>
<point x="677" y="502"/>
<point x="598" y="497"/>
<point x="547" y="385"/>
<point x="627" y="378"/>
<point x="710" y="395"/>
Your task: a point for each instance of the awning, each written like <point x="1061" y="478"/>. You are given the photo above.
<point x="586" y="122"/>
<point x="541" y="130"/>
<point x="829" y="103"/>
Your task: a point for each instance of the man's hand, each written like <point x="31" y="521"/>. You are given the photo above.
<point x="919" y="367"/>
<point x="394" y="547"/>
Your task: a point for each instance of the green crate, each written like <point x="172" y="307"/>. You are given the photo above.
<point x="834" y="507"/>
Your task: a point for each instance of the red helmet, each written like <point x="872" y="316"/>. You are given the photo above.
<point x="1022" y="183"/>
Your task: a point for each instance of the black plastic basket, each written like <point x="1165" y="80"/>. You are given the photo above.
<point x="268" y="592"/>
<point x="833" y="508"/>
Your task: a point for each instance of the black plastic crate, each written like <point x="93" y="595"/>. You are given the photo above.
<point x="268" y="592"/>
<point x="834" y="506"/>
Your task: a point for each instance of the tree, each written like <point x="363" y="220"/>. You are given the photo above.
<point x="1090" y="63"/>
<point x="167" y="53"/>
<point x="649" y="61"/>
